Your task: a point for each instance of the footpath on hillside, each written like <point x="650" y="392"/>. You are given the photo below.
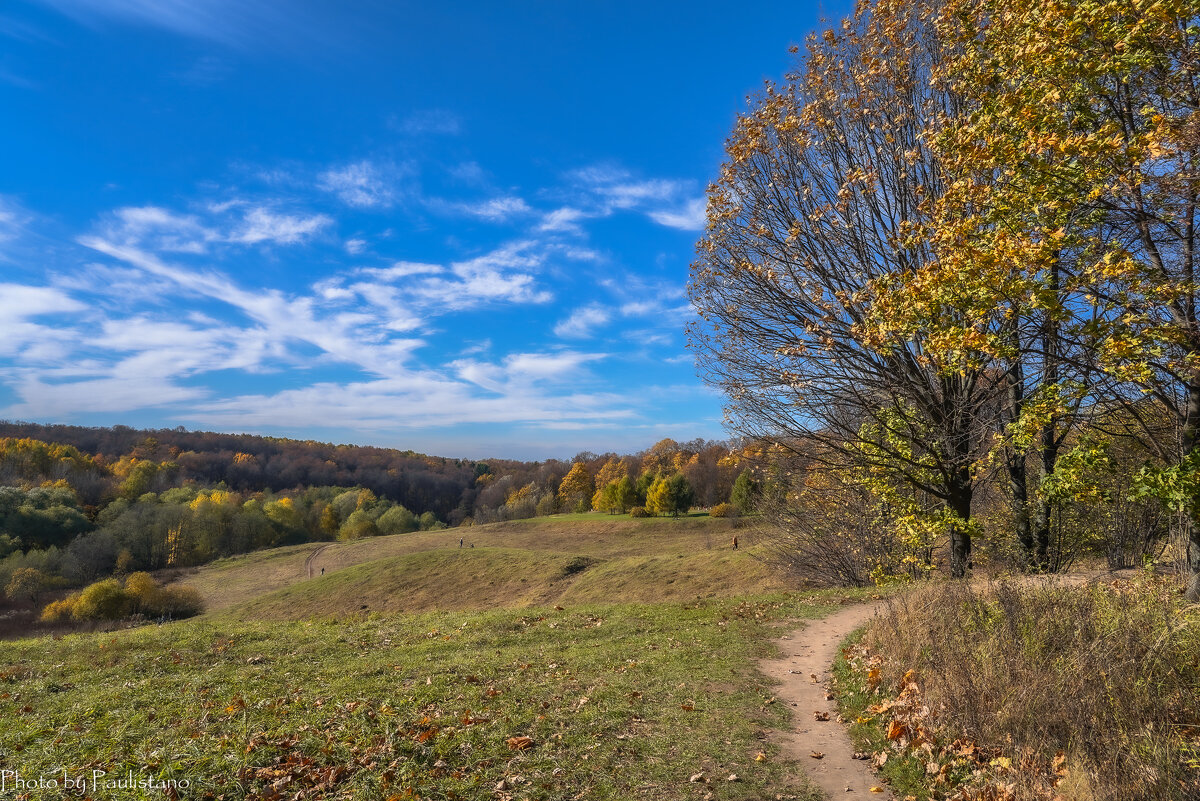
<point x="804" y="672"/>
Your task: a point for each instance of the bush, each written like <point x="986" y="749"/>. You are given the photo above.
<point x="639" y="511"/>
<point x="104" y="600"/>
<point x="142" y="590"/>
<point x="109" y="600"/>
<point x="176" y="603"/>
<point x="396" y="520"/>
<point x="723" y="510"/>
<point x="60" y="611"/>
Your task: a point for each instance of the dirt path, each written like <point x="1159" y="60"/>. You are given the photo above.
<point x="807" y="653"/>
<point x="309" y="562"/>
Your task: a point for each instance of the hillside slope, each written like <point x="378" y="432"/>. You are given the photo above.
<point x="566" y="558"/>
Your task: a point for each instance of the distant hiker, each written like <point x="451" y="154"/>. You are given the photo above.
<point x="460" y="542"/>
<point x="323" y="569"/>
<point x="735" y="542"/>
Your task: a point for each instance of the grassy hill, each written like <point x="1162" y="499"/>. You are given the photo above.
<point x="550" y="560"/>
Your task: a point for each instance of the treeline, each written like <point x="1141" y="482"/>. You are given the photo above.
<point x="152" y="460"/>
<point x="149" y="500"/>
<point x="949" y="273"/>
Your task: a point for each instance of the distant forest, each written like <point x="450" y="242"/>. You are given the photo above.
<point x="81" y="503"/>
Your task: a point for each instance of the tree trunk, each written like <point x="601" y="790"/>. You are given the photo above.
<point x="1191" y="441"/>
<point x="1015" y="463"/>
<point x="960" y="532"/>
<point x="1048" y="447"/>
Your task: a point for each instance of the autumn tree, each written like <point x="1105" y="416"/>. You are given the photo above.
<point x="827" y="176"/>
<point x="576" y="490"/>
<point x="1080" y="156"/>
<point x="670" y="496"/>
<point x="27" y="583"/>
<point x="616" y="497"/>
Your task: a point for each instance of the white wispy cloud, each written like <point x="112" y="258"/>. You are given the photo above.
<point x="582" y="321"/>
<point x="566" y="219"/>
<point x="496" y="210"/>
<point x="690" y="217"/>
<point x="518" y="373"/>
<point x="234" y="221"/>
<point x="403" y="269"/>
<point x="263" y="225"/>
<point x="278" y="24"/>
<point x="361" y="184"/>
<point x="24" y="337"/>
<point x="670" y="203"/>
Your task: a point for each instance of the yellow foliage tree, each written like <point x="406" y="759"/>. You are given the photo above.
<point x="576" y="489"/>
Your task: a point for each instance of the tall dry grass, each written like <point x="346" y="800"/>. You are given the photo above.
<point x="1108" y="673"/>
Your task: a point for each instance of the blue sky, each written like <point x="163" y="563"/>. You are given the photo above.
<point x="461" y="228"/>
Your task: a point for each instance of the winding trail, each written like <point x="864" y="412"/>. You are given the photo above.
<point x="310" y="561"/>
<point x="804" y="674"/>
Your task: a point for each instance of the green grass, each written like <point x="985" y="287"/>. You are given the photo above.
<point x="621" y="702"/>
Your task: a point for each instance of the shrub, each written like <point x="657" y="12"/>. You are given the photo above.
<point x="141" y="594"/>
<point x="639" y="511"/>
<point x="176" y="603"/>
<point x="723" y="510"/>
<point x="396" y="520"/>
<point x="141" y="589"/>
<point x="104" y="600"/>
<point x="59" y="611"/>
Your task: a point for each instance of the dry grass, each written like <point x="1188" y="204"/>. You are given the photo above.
<point x="486" y="578"/>
<point x="1107" y="673"/>
<point x="648" y="560"/>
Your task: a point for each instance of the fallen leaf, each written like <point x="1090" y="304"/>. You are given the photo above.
<point x="817" y="755"/>
<point x="519" y="743"/>
<point x="697" y="778"/>
<point x="821" y="715"/>
<point x="877" y="789"/>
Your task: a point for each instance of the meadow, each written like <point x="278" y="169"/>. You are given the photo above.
<point x="578" y="657"/>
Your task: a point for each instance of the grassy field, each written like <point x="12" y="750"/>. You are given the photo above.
<point x="570" y="658"/>
<point x="618" y="702"/>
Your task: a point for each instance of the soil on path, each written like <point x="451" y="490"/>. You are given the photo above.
<point x="804" y="674"/>
<point x="310" y="563"/>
